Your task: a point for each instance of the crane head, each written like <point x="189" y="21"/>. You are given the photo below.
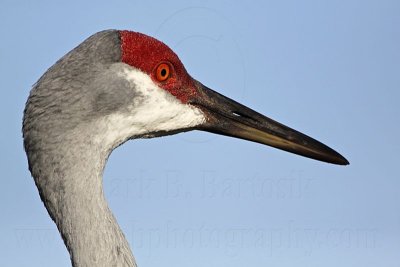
<point x="134" y="86"/>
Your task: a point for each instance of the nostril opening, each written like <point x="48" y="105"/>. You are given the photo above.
<point x="239" y="114"/>
<point x="243" y="116"/>
<point x="236" y="114"/>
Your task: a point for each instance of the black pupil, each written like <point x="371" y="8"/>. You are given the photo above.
<point x="163" y="72"/>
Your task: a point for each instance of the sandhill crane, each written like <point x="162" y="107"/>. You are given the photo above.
<point x="116" y="86"/>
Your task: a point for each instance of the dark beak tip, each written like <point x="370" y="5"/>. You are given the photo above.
<point x="343" y="161"/>
<point x="338" y="159"/>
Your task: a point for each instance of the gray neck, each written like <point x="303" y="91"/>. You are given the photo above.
<point x="69" y="179"/>
<point x="64" y="140"/>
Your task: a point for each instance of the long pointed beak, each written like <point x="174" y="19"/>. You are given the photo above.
<point x="228" y="117"/>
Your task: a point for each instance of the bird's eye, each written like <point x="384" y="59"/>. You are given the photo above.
<point x="163" y="72"/>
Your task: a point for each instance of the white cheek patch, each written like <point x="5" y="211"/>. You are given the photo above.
<point x="154" y="109"/>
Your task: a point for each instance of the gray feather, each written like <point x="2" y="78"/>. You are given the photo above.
<point x="81" y="87"/>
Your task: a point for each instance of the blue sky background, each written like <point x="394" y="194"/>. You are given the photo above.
<point x="330" y="69"/>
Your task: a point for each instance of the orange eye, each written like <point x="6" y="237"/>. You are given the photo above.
<point x="163" y="72"/>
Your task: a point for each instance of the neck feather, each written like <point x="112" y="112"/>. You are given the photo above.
<point x="69" y="180"/>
